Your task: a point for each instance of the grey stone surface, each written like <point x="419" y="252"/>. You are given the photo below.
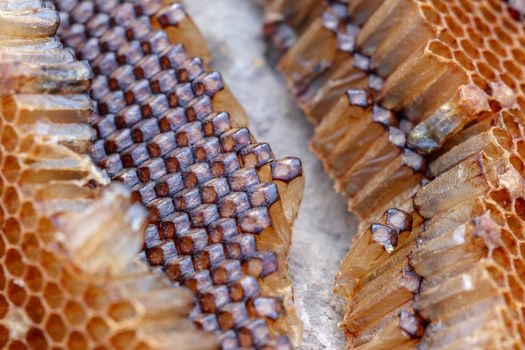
<point x="324" y="228"/>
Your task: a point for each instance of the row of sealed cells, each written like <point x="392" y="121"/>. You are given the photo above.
<point x="157" y="114"/>
<point x="172" y="106"/>
<point x="199" y="192"/>
<point x="127" y="47"/>
<point x="177" y="170"/>
<point x="119" y="13"/>
<point x="99" y="19"/>
<point x="224" y="308"/>
<point x="226" y="195"/>
<point x="235" y="329"/>
<point x="161" y="71"/>
<point x="198" y="141"/>
<point x="124" y="46"/>
<point x="237" y="312"/>
<point x="205" y="264"/>
<point x="145" y="99"/>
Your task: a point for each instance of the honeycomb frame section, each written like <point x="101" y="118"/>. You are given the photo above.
<point x="418" y="114"/>
<point x="221" y="205"/>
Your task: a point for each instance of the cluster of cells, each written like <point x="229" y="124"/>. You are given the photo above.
<point x="501" y="250"/>
<point x="349" y="78"/>
<point x="506" y="207"/>
<point x="211" y="191"/>
<point x="333" y="82"/>
<point x="486" y="38"/>
<point x="46" y="300"/>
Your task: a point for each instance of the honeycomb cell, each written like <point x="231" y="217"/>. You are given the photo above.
<point x="123" y="340"/>
<point x="35" y="310"/>
<point x="53" y="295"/>
<point x="36" y="339"/>
<point x="12" y="230"/>
<point x="16" y="292"/>
<point x="11" y="200"/>
<point x="9" y="138"/>
<point x="77" y="340"/>
<point x="14" y="262"/>
<point x="74" y="312"/>
<point x="55" y="327"/>
<point x="33" y="278"/>
<point x="11" y="168"/>
<point x="97" y="328"/>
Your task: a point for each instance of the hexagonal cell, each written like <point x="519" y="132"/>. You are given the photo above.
<point x="97" y="328"/>
<point x="519" y="207"/>
<point x="36" y="339"/>
<point x="122" y="311"/>
<point x="16" y="292"/>
<point x="491" y="59"/>
<point x="74" y="312"/>
<point x="9" y="138"/>
<point x="496" y="213"/>
<point x="11" y="230"/>
<point x="33" y="278"/>
<point x="53" y="295"/>
<point x="96" y="297"/>
<point x="513" y="68"/>
<point x="14" y="263"/>
<point x="123" y="340"/>
<point x="503" y="198"/>
<point x="77" y="341"/>
<point x="35" y="310"/>
<point x="501" y="257"/>
<point x="509" y="242"/>
<point x="11" y="200"/>
<point x="55" y="327"/>
<point x="11" y="169"/>
<point x="516" y="288"/>
<point x="31" y="246"/>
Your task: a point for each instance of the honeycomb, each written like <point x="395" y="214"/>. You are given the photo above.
<point x="221" y="207"/>
<point x="418" y="113"/>
<point x="58" y="287"/>
<point x="447" y="272"/>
